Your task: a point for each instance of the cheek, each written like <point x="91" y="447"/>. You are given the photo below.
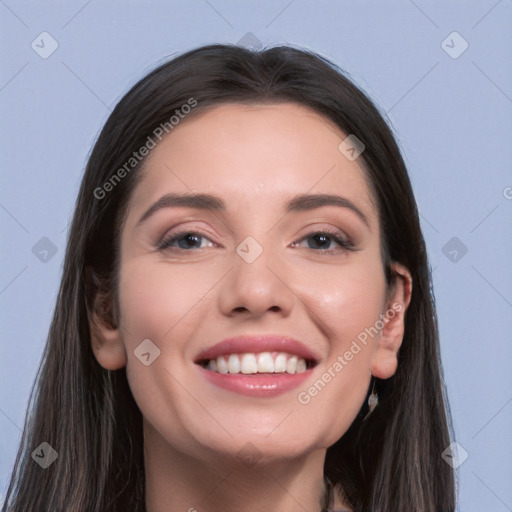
<point x="348" y="299"/>
<point x="348" y="304"/>
<point x="154" y="298"/>
<point x="157" y="304"/>
<point x="160" y="303"/>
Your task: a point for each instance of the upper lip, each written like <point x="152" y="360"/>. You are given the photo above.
<point x="256" y="344"/>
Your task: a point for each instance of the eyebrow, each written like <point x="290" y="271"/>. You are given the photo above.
<point x="299" y="203"/>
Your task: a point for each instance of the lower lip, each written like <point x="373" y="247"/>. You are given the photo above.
<point x="260" y="385"/>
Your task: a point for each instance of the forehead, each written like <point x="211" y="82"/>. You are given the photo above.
<point x="253" y="155"/>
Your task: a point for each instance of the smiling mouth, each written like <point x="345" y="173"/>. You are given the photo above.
<point x="250" y="363"/>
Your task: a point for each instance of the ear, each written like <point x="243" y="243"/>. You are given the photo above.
<point x="106" y="341"/>
<point x="385" y="361"/>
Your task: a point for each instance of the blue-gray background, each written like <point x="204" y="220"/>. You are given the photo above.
<point x="451" y="113"/>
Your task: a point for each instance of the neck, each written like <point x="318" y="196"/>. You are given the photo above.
<point x="179" y="481"/>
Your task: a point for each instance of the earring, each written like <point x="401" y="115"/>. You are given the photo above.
<point x="373" y="400"/>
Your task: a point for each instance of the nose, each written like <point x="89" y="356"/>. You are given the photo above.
<point x="255" y="287"/>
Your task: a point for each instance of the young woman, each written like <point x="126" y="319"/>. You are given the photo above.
<point x="245" y="320"/>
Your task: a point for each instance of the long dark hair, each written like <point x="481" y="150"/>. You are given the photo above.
<point x="391" y="461"/>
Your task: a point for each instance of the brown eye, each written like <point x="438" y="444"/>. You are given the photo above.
<point x="186" y="240"/>
<point x="321" y="239"/>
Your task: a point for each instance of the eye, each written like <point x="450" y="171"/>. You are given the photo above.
<point x="186" y="240"/>
<point x="322" y="239"/>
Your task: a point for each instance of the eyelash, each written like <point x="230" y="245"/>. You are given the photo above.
<point x="336" y="236"/>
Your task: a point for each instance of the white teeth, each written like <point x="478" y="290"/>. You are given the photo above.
<point x="264" y="362"/>
<point x="291" y="364"/>
<point x="248" y="364"/>
<point x="301" y="366"/>
<point x="233" y="364"/>
<point x="280" y="363"/>
<point x="222" y="366"/>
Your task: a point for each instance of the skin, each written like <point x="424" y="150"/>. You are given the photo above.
<point x="184" y="300"/>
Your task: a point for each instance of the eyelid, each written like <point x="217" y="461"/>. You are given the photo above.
<point x="191" y="226"/>
<point x="331" y="228"/>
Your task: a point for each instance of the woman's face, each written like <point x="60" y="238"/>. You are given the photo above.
<point x="191" y="277"/>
